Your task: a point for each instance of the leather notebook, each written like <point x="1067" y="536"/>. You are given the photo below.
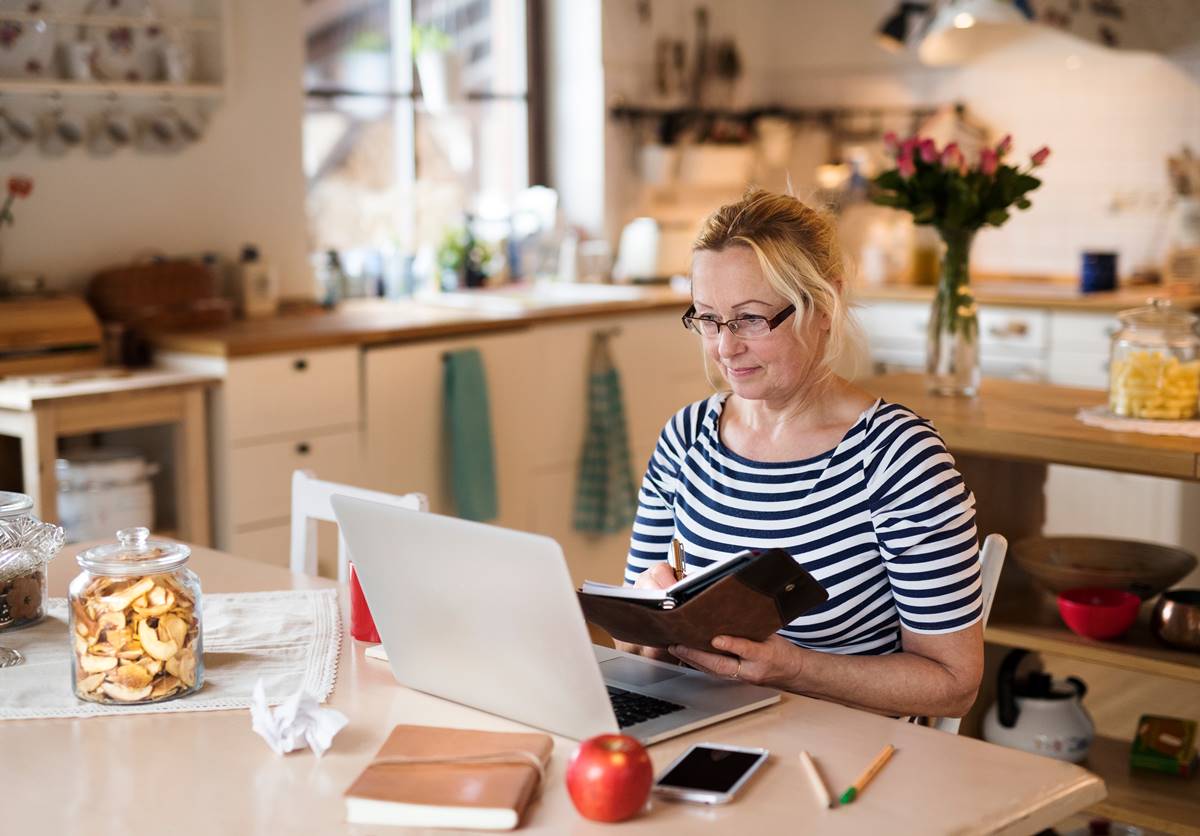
<point x="489" y="787"/>
<point x="752" y="595"/>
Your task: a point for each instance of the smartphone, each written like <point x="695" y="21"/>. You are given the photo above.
<point x="709" y="773"/>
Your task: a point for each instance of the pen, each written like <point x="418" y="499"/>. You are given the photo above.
<point x="868" y="773"/>
<point x="677" y="558"/>
<point x="814" y="778"/>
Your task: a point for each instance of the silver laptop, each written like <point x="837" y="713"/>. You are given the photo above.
<point x="488" y="617"/>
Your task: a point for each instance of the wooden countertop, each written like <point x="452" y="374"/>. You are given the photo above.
<point x="1050" y="294"/>
<point x="376" y="321"/>
<point x="1036" y="422"/>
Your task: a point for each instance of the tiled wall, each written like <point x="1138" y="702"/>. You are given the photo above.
<point x="1110" y="117"/>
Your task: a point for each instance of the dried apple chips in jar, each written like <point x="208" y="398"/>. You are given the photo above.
<point x="135" y="622"/>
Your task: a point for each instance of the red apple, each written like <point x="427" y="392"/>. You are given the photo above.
<point x="609" y="777"/>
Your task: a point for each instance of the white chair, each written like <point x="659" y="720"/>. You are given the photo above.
<point x="310" y="503"/>
<point x="991" y="558"/>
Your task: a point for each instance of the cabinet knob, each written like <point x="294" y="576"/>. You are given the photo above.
<point x="1012" y="328"/>
<point x="300" y="364"/>
<point x="302" y="448"/>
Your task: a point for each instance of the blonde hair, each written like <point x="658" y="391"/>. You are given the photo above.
<point x="798" y="253"/>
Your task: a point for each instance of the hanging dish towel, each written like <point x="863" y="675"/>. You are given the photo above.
<point x="605" y="501"/>
<point x="472" y="467"/>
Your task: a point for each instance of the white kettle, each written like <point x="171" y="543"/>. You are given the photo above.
<point x="1039" y="714"/>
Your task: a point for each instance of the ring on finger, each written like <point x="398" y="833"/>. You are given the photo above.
<point x="737" y="673"/>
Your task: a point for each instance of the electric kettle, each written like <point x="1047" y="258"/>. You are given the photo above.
<point x="1039" y="714"/>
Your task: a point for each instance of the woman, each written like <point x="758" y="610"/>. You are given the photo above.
<point x="861" y="492"/>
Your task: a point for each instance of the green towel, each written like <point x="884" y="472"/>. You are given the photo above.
<point x="605" y="501"/>
<point x="472" y="464"/>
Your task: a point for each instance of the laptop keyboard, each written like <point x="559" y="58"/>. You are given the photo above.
<point x="632" y="708"/>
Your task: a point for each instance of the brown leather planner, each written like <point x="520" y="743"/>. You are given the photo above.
<point x="755" y="596"/>
<point x="442" y="777"/>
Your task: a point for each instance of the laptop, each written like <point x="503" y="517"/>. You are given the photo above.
<point x="488" y="617"/>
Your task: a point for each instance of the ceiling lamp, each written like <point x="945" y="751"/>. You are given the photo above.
<point x="962" y="30"/>
<point x="893" y="33"/>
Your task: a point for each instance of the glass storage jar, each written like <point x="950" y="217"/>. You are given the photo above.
<point x="135" y="622"/>
<point x="26" y="546"/>
<point x="1154" y="367"/>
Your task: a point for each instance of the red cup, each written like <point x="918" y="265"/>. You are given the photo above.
<point x="362" y="625"/>
<point x="1098" y="613"/>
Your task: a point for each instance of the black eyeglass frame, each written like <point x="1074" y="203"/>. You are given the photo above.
<point x="774" y="322"/>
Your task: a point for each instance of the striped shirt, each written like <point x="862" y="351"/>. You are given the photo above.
<point x="883" y="521"/>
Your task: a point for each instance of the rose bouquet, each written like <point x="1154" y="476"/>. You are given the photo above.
<point x="941" y="188"/>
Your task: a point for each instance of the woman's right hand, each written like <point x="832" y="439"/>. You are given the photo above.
<point x="658" y="576"/>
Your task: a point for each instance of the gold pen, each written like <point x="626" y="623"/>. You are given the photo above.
<point x="677" y="558"/>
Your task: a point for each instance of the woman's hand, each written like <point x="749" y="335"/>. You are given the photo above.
<point x="658" y="576"/>
<point x="775" y="662"/>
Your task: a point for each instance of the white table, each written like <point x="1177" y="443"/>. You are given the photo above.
<point x="206" y="772"/>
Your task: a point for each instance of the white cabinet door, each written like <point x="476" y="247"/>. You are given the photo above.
<point x="261" y="474"/>
<point x="405" y="441"/>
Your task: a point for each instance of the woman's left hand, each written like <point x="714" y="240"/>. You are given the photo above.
<point x="775" y="661"/>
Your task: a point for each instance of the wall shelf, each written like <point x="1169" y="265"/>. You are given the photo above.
<point x="200" y="24"/>
<point x="1146" y="799"/>
<point x="1038" y="627"/>
<point x="67" y="87"/>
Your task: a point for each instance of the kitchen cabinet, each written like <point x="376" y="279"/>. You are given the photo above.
<point x="273" y="414"/>
<point x="537" y="391"/>
<point x="404" y="417"/>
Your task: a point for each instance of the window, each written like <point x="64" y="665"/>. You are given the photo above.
<point x="394" y="159"/>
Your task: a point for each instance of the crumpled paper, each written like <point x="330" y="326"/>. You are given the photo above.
<point x="296" y="722"/>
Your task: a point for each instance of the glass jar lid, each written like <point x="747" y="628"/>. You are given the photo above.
<point x="1159" y="315"/>
<point x="134" y="553"/>
<point x="13" y="504"/>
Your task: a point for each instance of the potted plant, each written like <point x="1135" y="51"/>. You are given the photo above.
<point x="438" y="66"/>
<point x="942" y="189"/>
<point x="465" y="260"/>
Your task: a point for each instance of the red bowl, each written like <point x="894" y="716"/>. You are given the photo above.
<point x="1098" y="613"/>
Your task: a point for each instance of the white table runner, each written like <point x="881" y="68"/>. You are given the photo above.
<point x="291" y="639"/>
<point x="1099" y="416"/>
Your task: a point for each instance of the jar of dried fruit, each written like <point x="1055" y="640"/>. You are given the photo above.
<point x="135" y="622"/>
<point x="26" y="546"/>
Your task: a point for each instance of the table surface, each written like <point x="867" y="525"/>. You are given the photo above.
<point x="208" y="773"/>
<point x="1036" y="422"/>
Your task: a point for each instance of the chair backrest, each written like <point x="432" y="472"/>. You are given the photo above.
<point x="310" y="503"/>
<point x="991" y="558"/>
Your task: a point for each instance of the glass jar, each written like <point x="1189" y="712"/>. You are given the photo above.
<point x="1154" y="368"/>
<point x="26" y="546"/>
<point x="135" y="622"/>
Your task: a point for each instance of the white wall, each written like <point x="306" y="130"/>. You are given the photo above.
<point x="242" y="183"/>
<point x="1110" y="117"/>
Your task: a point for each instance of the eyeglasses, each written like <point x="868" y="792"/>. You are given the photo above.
<point x="745" y="327"/>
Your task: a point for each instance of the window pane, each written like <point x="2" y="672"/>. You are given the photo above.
<point x="351" y="49"/>
<point x="487" y="35"/>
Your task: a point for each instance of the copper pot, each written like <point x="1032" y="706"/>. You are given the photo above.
<point x="1176" y="618"/>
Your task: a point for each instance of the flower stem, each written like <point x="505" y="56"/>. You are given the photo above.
<point x="954" y="298"/>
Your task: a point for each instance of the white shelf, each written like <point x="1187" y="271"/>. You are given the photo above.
<point x="199" y="24"/>
<point x="68" y="87"/>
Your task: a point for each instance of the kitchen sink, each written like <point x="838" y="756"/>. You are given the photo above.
<point x="525" y="297"/>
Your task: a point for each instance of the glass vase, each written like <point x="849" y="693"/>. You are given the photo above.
<point x="952" y="348"/>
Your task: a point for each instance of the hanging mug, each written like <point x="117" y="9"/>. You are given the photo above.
<point x="60" y="131"/>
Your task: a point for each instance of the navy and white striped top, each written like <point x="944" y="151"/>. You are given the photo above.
<point x="883" y="521"/>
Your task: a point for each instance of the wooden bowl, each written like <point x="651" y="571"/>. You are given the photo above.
<point x="1062" y="563"/>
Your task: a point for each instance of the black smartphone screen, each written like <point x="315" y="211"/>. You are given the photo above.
<point x="712" y="770"/>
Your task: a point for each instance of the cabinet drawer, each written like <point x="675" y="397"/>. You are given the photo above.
<point x="895" y="323"/>
<point x="282" y="393"/>
<point x="1069" y="368"/>
<point x="1090" y="333"/>
<point x="260" y="475"/>
<point x="1017" y="328"/>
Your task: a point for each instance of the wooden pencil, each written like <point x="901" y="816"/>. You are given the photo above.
<point x="814" y="779"/>
<point x="868" y="774"/>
